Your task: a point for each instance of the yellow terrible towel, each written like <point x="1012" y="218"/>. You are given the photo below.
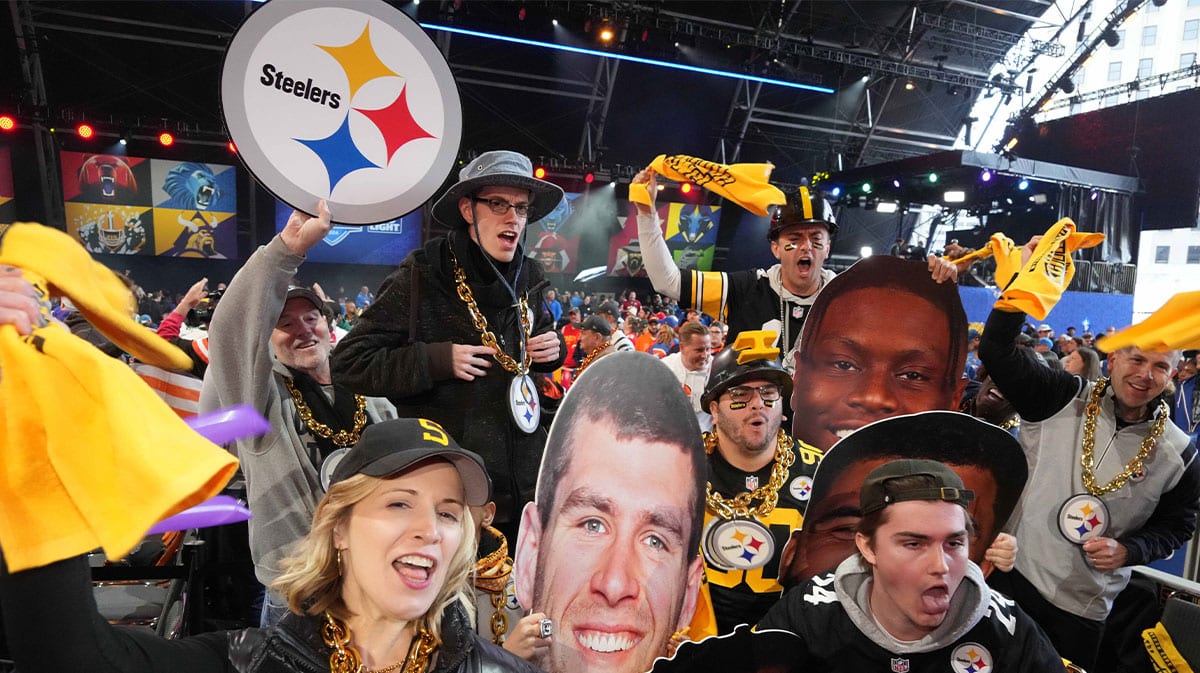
<point x="66" y="268"/>
<point x="1036" y="287"/>
<point x="91" y="456"/>
<point x="744" y="184"/>
<point x="1176" y="325"/>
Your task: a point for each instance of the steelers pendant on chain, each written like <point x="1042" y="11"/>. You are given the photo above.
<point x="738" y="544"/>
<point x="1082" y="517"/>
<point x="524" y="403"/>
<point x="330" y="464"/>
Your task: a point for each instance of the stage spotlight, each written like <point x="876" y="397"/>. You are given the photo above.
<point x="896" y="183"/>
<point x="606" y="34"/>
<point x="554" y="22"/>
<point x="686" y="188"/>
<point x="865" y="251"/>
<point x="835" y="192"/>
<point x="7" y="122"/>
<point x="1008" y="146"/>
<point x="865" y="78"/>
<point x="887" y="207"/>
<point x="985" y="175"/>
<point x="909" y="86"/>
<point x="1111" y="37"/>
<point x="866" y="188"/>
<point x="231" y="147"/>
<point x="1023" y="184"/>
<point x="166" y="139"/>
<point x="954" y="196"/>
<point x="933" y="178"/>
<point x="521" y="14"/>
<point x="85" y="131"/>
<point x="589" y="178"/>
<point x="123" y="141"/>
<point x="539" y="172"/>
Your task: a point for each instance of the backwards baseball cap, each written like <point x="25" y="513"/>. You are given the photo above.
<point x="880" y="490"/>
<point x="393" y="446"/>
<point x="596" y="324"/>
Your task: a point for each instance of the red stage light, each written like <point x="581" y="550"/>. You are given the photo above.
<point x="589" y="178"/>
<point x="231" y="146"/>
<point x="539" y="172"/>
<point x="85" y="131"/>
<point x="686" y="188"/>
<point x="7" y="123"/>
<point x="166" y="139"/>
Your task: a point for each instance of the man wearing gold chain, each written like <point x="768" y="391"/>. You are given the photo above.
<point x="759" y="481"/>
<point x="311" y="418"/>
<point x="452" y="336"/>
<point x="1112" y="483"/>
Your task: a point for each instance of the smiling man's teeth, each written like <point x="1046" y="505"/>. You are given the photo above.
<point x="606" y="642"/>
<point x="841" y="434"/>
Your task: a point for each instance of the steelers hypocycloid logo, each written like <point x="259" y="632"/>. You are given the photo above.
<point x="347" y="101"/>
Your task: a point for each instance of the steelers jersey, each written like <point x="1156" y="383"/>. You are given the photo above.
<point x="741" y="556"/>
<point x="744" y="300"/>
<point x="1004" y="638"/>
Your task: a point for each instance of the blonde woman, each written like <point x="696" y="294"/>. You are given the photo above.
<point x="380" y="583"/>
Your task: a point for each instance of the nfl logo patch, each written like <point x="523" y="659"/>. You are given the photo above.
<point x="899" y="665"/>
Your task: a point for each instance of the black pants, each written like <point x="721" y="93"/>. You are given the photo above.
<point x="1076" y="638"/>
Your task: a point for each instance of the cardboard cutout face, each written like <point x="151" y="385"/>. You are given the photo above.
<point x="996" y="472"/>
<point x="881" y="340"/>
<point x="609" y="548"/>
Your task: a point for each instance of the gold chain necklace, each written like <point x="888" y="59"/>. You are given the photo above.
<point x="591" y="356"/>
<point x="1011" y="423"/>
<point x="489" y="339"/>
<point x="341" y="438"/>
<point x="344" y="657"/>
<point x="769" y="492"/>
<point x="1091" y="412"/>
<point x="491" y="577"/>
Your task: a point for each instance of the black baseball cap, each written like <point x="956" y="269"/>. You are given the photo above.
<point x="300" y="292"/>
<point x="610" y="307"/>
<point x="393" y="446"/>
<point x="596" y="324"/>
<point x="879" y="491"/>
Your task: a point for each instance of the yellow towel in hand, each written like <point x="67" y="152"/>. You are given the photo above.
<point x="92" y="457"/>
<point x="1037" y="286"/>
<point x="1176" y="325"/>
<point x="92" y="287"/>
<point x="744" y="184"/>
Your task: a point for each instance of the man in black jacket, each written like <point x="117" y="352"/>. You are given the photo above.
<point x="455" y="333"/>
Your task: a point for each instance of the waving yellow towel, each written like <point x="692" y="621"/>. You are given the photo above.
<point x="744" y="184"/>
<point x="92" y="457"/>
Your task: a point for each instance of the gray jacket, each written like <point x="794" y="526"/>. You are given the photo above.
<point x="282" y="484"/>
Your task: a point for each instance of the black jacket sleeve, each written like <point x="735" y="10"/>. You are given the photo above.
<point x="1172" y="522"/>
<point x="53" y="626"/>
<point x="379" y="357"/>
<point x="1037" y="392"/>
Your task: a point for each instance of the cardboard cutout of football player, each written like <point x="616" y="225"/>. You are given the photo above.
<point x="609" y="548"/>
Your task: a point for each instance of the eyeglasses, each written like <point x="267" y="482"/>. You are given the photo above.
<point x="501" y="207"/>
<point x="742" y="394"/>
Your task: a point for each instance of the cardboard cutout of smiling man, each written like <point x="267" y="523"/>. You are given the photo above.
<point x="609" y="549"/>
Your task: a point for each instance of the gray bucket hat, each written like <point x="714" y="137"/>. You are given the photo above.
<point x="498" y="168"/>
